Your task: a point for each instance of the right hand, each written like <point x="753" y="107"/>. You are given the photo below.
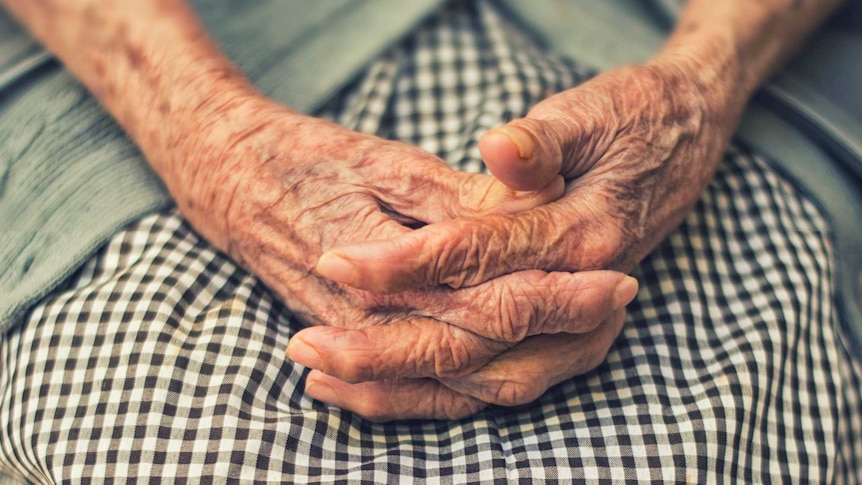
<point x="275" y="190"/>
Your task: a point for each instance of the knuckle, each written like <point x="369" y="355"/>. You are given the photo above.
<point x="594" y="241"/>
<point x="476" y="194"/>
<point x="459" y="353"/>
<point x="461" y="260"/>
<point x="375" y="304"/>
<point x="515" y="391"/>
<point x="453" y="357"/>
<point x="357" y="362"/>
<point x="457" y="407"/>
<point x="603" y="247"/>
<point x="355" y="370"/>
<point x="546" y="237"/>
<point x="480" y="249"/>
<point x="372" y="409"/>
<point x="566" y="307"/>
<point x="554" y="134"/>
<point x="514" y="314"/>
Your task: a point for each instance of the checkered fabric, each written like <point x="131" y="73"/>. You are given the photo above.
<point x="161" y="359"/>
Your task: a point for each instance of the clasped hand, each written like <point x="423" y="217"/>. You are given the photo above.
<point x="433" y="293"/>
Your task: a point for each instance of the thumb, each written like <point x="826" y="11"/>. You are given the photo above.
<point x="527" y="153"/>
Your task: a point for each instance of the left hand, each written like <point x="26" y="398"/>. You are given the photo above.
<point x="636" y="146"/>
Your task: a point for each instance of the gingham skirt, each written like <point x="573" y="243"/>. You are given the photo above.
<point x="160" y="358"/>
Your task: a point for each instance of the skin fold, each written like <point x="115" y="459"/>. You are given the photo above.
<point x="513" y="283"/>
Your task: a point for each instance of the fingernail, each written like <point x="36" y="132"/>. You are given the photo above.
<point x="625" y="292"/>
<point x="520" y="138"/>
<point x="336" y="268"/>
<point x="322" y="392"/>
<point x="302" y="353"/>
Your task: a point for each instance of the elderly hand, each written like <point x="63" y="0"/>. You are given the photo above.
<point x="276" y="190"/>
<point x="636" y="146"/>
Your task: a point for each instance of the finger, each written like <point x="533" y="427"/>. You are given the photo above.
<point x="479" y="332"/>
<point x="464" y="252"/>
<point x="525" y="372"/>
<point x="419" y="347"/>
<point x="517" y="377"/>
<point x="513" y="307"/>
<point x="563" y="135"/>
<point x="389" y="400"/>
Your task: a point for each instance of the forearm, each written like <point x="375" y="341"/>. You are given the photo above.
<point x="713" y="62"/>
<point x="719" y="54"/>
<point x="150" y="63"/>
<point x="733" y="46"/>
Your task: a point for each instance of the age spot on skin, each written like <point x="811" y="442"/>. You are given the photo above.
<point x="99" y="67"/>
<point x="134" y="56"/>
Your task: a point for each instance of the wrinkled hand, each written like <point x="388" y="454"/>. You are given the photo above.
<point x="517" y="376"/>
<point x="636" y="146"/>
<point x="276" y="190"/>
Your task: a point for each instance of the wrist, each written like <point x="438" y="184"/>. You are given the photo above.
<point x="206" y="148"/>
<point x="731" y="47"/>
<point x="708" y="75"/>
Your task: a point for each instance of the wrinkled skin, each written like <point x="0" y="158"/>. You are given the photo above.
<point x="276" y="190"/>
<point x="636" y="147"/>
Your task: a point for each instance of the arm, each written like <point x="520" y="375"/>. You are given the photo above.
<point x="150" y="64"/>
<point x="750" y="39"/>
<point x="153" y="67"/>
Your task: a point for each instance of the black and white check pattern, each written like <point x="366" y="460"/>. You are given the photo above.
<point x="162" y="359"/>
